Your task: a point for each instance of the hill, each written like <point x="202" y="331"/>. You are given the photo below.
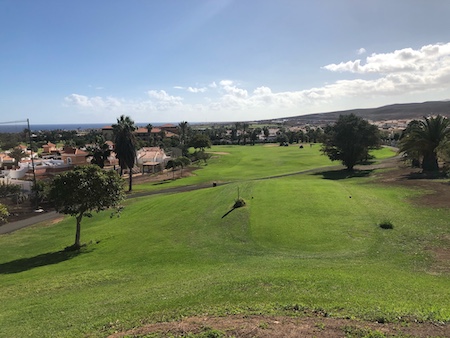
<point x="406" y="111"/>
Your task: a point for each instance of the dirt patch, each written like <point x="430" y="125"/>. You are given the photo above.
<point x="56" y="220"/>
<point x="219" y="153"/>
<point x="437" y="191"/>
<point x="437" y="195"/>
<point x="165" y="175"/>
<point x="286" y="327"/>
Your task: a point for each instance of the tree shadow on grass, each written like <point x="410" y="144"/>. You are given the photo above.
<point x="423" y="175"/>
<point x="343" y="174"/>
<point x="238" y="204"/>
<point x="24" y="264"/>
<point x="229" y="211"/>
<point x="162" y="182"/>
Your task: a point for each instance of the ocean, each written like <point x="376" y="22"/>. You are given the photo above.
<point x="20" y="126"/>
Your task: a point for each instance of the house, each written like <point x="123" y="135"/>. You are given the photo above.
<point x="143" y="134"/>
<point x="169" y="128"/>
<point x="107" y="132"/>
<point x="151" y="159"/>
<point x="6" y="161"/>
<point x="74" y="156"/>
<point x="49" y="148"/>
<point x="110" y="145"/>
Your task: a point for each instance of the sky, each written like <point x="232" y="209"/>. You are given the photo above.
<point x="90" y="61"/>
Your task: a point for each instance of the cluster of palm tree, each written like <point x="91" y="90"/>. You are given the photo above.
<point x="425" y="141"/>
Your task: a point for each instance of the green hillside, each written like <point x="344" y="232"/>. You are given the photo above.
<point x="300" y="243"/>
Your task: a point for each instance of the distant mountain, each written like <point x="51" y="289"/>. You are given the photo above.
<point x="407" y="111"/>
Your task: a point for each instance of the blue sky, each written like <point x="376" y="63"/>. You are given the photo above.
<point x="89" y="61"/>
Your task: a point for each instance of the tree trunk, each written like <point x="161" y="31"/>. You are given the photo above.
<point x="429" y="162"/>
<point x="130" y="181"/>
<point x="77" y="243"/>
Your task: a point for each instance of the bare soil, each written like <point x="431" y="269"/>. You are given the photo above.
<point x="286" y="327"/>
<point x="313" y="325"/>
<point x="164" y="176"/>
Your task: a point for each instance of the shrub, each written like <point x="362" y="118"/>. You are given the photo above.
<point x="239" y="203"/>
<point x="9" y="189"/>
<point x="3" y="213"/>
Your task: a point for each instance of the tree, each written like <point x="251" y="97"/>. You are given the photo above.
<point x="254" y="135"/>
<point x="244" y="132"/>
<point x="17" y="154"/>
<point x="266" y="132"/>
<point x="424" y="139"/>
<point x="183" y="129"/>
<point x="172" y="164"/>
<point x="200" y="141"/>
<point x="40" y="190"/>
<point x="125" y="145"/>
<point x="202" y="155"/>
<point x="83" y="190"/>
<point x="99" y="154"/>
<point x="350" y="139"/>
<point x="150" y="136"/>
<point x="182" y="162"/>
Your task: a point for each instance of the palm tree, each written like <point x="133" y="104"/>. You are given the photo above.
<point x="125" y="145"/>
<point x="17" y="154"/>
<point x="424" y="138"/>
<point x="244" y="132"/>
<point x="183" y="128"/>
<point x="99" y="154"/>
<point x="150" y="137"/>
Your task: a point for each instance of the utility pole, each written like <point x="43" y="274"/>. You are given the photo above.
<point x="32" y="159"/>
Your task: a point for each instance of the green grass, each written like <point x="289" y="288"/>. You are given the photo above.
<point x="299" y="243"/>
<point x="238" y="163"/>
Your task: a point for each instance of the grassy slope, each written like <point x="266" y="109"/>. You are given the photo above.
<point x="299" y="241"/>
<point x="243" y="163"/>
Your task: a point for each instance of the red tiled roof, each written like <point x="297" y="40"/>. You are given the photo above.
<point x="142" y="130"/>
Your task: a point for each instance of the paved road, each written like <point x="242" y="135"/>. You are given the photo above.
<point x="13" y="226"/>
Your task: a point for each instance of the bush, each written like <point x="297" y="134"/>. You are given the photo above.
<point x="9" y="189"/>
<point x="386" y="225"/>
<point x="239" y="203"/>
<point x="3" y="213"/>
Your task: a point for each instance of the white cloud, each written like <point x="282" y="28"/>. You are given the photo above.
<point x="196" y="90"/>
<point x="384" y="75"/>
<point x="232" y="90"/>
<point x="92" y="102"/>
<point x="163" y="101"/>
<point x="426" y="59"/>
<point x="192" y="89"/>
<point x="361" y="51"/>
